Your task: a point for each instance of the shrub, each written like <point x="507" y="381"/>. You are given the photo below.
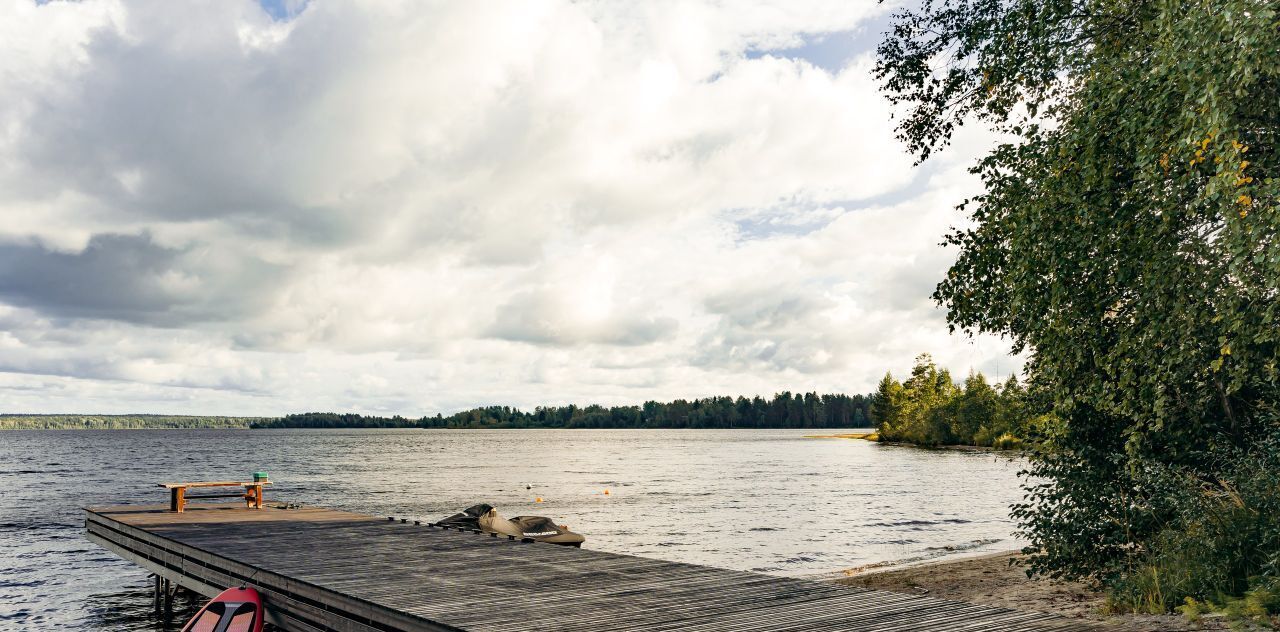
<point x="1006" y="441"/>
<point x="1219" y="547"/>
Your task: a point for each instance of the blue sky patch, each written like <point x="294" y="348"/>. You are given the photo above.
<point x="283" y="10"/>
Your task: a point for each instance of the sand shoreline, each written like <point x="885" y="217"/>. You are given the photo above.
<point x="991" y="579"/>
<point x="874" y="437"/>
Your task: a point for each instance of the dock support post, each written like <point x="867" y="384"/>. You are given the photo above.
<point x="162" y="594"/>
<point x="170" y="589"/>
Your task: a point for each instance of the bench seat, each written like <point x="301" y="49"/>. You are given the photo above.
<point x="178" y="497"/>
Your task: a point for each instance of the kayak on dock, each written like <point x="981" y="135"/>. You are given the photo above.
<point x="486" y="518"/>
<point x="233" y="610"/>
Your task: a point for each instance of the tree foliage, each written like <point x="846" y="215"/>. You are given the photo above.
<point x="1127" y="240"/>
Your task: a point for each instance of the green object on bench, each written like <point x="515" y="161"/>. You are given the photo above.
<point x="259" y="477"/>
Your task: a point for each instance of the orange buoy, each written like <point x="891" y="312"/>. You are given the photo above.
<point x="538" y="499"/>
<point x="606" y="492"/>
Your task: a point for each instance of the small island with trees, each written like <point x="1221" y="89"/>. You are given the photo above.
<point x="931" y="409"/>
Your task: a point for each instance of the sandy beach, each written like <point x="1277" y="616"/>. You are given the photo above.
<point x="992" y="580"/>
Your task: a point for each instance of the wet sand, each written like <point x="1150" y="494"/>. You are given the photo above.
<point x="992" y="580"/>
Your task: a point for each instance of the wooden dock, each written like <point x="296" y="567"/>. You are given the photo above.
<point x="320" y="569"/>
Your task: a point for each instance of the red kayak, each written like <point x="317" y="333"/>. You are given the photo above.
<point x="235" y="610"/>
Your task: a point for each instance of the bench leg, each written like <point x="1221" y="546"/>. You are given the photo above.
<point x="177" y="499"/>
<point x="253" y="496"/>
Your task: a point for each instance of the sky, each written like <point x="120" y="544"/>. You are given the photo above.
<point x="235" y="208"/>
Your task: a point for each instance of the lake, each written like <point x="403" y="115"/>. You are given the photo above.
<point x="770" y="501"/>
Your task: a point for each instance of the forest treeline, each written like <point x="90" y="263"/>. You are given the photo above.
<point x="784" y="410"/>
<point x="930" y="409"/>
<point x="120" y="422"/>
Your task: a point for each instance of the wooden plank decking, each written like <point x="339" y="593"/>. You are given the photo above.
<point x="324" y="569"/>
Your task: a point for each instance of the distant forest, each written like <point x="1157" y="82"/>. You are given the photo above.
<point x="784" y="410"/>
<point x="120" y="422"/>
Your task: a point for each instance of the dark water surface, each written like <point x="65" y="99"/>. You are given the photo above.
<point x="764" y="500"/>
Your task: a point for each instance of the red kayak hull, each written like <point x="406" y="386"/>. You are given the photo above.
<point x="233" y="610"/>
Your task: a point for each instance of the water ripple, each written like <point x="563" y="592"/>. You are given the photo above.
<point x="767" y="501"/>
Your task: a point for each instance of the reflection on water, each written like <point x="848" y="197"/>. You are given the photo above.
<point x="763" y="500"/>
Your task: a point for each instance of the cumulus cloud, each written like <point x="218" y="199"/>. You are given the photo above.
<point x="543" y="318"/>
<point x="417" y="207"/>
<point x="131" y="278"/>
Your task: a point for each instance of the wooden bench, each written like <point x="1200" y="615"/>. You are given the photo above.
<point x="252" y="493"/>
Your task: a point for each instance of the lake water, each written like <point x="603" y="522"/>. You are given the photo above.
<point x="770" y="501"/>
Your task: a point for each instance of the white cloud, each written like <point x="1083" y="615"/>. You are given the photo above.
<point x="410" y="208"/>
